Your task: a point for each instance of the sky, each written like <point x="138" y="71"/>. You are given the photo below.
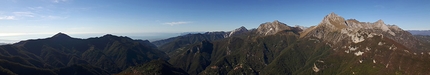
<point x="30" y="19"/>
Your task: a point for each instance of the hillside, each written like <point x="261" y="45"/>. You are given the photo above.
<point x="180" y="41"/>
<point x="251" y="49"/>
<point x="62" y="54"/>
<point x="353" y="47"/>
<point x="155" y="67"/>
<point x="335" y="46"/>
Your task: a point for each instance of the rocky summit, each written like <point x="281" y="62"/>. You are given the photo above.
<point x="238" y="31"/>
<point x="270" y="28"/>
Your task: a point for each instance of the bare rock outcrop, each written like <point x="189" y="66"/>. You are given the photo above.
<point x="335" y="28"/>
<point x="270" y="28"/>
<point x="238" y="31"/>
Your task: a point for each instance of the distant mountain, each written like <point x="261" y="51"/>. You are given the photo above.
<point x="425" y="40"/>
<point x="238" y="31"/>
<point x="419" y="32"/>
<point x="172" y="44"/>
<point x="215" y="36"/>
<point x="62" y="54"/>
<point x="271" y="28"/>
<point x="2" y="43"/>
<point x="301" y="27"/>
<point x="186" y="33"/>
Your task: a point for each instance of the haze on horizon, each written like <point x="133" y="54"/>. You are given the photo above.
<point x="32" y="19"/>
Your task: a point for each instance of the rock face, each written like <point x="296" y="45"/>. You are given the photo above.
<point x="271" y="28"/>
<point x="334" y="28"/>
<point x="238" y="31"/>
<point x="378" y="25"/>
<point x="334" y="21"/>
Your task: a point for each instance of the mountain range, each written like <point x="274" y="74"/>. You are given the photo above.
<point x="63" y="55"/>
<point x="334" y="46"/>
<point x="2" y="43"/>
<point x="419" y="32"/>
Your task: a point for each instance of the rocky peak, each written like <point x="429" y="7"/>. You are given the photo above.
<point x="334" y="21"/>
<point x="379" y="22"/>
<point x="237" y="31"/>
<point x="61" y="36"/>
<point x="276" y="22"/>
<point x="270" y="28"/>
<point x="333" y="15"/>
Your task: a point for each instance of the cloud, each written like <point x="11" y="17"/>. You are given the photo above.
<point x="17" y="15"/>
<point x="35" y="8"/>
<point x="7" y="18"/>
<point x="176" y="23"/>
<point x="30" y="16"/>
<point x="39" y="8"/>
<point x="58" y="1"/>
<point x="53" y="17"/>
<point x="25" y="14"/>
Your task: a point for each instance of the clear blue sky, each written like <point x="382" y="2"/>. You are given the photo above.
<point x="44" y="18"/>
